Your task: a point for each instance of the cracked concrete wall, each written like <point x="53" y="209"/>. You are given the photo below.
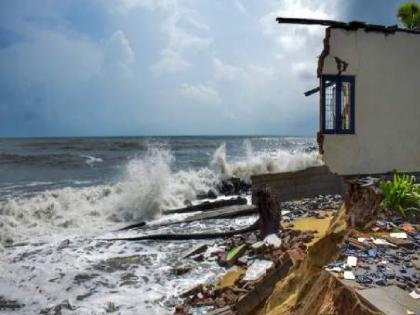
<point x="387" y="102"/>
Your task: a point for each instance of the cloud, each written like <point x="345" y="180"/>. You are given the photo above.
<point x="200" y="93"/>
<point x="224" y="71"/>
<point x="240" y="6"/>
<point x="144" y="66"/>
<point x="118" y="54"/>
<point x="183" y="33"/>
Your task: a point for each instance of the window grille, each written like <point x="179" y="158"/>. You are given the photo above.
<point x="337" y="110"/>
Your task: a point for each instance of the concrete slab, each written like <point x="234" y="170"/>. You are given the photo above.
<point x="390" y="300"/>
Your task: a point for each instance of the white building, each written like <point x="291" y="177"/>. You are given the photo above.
<point x="370" y="98"/>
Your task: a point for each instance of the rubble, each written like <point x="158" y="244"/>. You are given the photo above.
<point x="254" y="262"/>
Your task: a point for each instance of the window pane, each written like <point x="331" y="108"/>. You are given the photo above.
<point x="345" y="106"/>
<point x="330" y="104"/>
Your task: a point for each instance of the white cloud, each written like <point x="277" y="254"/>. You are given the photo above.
<point x="224" y="71"/>
<point x="185" y="36"/>
<point x="118" y="54"/>
<point x="240" y="6"/>
<point x="200" y="93"/>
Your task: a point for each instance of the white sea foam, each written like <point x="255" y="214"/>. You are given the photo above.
<point x="90" y="160"/>
<point x="255" y="163"/>
<point x="147" y="187"/>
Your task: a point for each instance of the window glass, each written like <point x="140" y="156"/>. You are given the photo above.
<point x="330" y="104"/>
<point x="337" y="104"/>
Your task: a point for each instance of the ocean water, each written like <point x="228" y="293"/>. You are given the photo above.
<point x="58" y="197"/>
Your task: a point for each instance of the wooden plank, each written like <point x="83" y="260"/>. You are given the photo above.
<point x="222" y="213"/>
<point x="209" y="205"/>
<point x="262" y="289"/>
<point x="195" y="250"/>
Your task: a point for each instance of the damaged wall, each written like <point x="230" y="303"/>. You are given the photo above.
<point x="387" y="102"/>
<point x="311" y="182"/>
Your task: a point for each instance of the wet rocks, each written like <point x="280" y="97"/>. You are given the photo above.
<point x="233" y="186"/>
<point x="182" y="270"/>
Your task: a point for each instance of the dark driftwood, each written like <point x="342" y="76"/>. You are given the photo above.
<point x="195" y="236"/>
<point x="209" y="205"/>
<point x="133" y="226"/>
<point x="221" y="213"/>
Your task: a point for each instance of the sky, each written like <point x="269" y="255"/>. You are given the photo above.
<point x="165" y="67"/>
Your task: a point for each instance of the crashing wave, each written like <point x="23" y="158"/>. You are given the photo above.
<point x="148" y="185"/>
<point x="262" y="162"/>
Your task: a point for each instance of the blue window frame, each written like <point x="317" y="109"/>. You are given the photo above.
<point x="337" y="104"/>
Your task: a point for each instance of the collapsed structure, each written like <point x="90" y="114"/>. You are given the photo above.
<point x="369" y="103"/>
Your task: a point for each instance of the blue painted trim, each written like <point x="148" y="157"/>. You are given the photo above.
<point x="339" y="79"/>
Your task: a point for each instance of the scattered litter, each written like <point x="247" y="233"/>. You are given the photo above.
<point x="348" y="275"/>
<point x="233" y="255"/>
<point x="273" y="240"/>
<point x="398" y="235"/>
<point x="410" y="312"/>
<point x="415" y="295"/>
<point x="257" y="245"/>
<point x="361" y="239"/>
<point x="258" y="269"/>
<point x="334" y="269"/>
<point x="352" y="261"/>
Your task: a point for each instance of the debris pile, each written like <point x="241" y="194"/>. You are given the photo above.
<point x="311" y="207"/>
<point x="250" y="261"/>
<point x="388" y="256"/>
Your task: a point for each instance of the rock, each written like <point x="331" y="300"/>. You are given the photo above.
<point x="188" y="203"/>
<point x="212" y="194"/>
<point x="181" y="310"/>
<point x="182" y="270"/>
<point x="64" y="244"/>
<point x="409" y="229"/>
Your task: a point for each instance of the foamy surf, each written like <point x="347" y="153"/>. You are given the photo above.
<point x="147" y="186"/>
<point x="55" y="224"/>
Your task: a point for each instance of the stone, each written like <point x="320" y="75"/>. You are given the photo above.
<point x="409" y="229"/>
<point x="296" y="255"/>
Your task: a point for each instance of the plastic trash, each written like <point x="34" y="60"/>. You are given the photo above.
<point x="348" y="275"/>
<point x="400" y="235"/>
<point x="352" y="261"/>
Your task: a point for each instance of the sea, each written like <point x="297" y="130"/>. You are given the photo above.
<point x="61" y="197"/>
